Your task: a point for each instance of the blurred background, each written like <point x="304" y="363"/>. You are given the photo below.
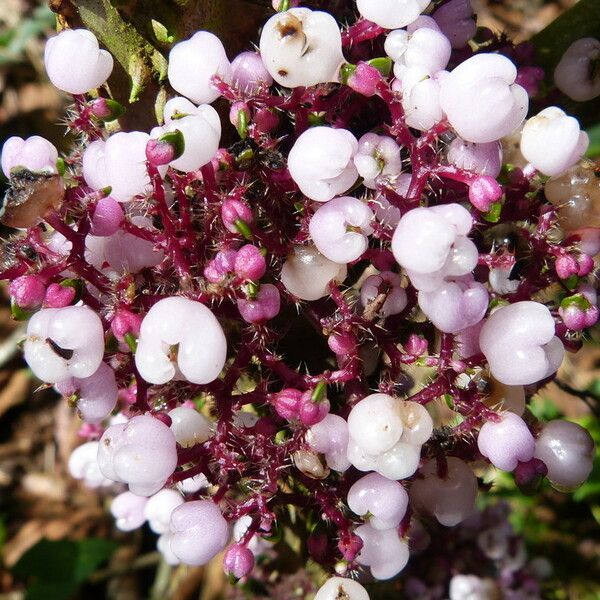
<point x="57" y="539"/>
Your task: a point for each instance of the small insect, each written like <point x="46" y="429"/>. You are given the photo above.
<point x="30" y="196"/>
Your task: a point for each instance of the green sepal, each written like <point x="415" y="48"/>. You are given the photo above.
<point x="242" y="124"/>
<point x="176" y="140"/>
<point x="577" y="300"/>
<point x="346" y="71"/>
<point x="383" y="64"/>
<point x="316" y="119"/>
<point x="116" y="110"/>
<point x="131" y="341"/>
<point x="18" y="313"/>
<point x="61" y="166"/>
<point x="251" y="290"/>
<point x="319" y="393"/>
<point x="493" y="215"/>
<point x="244" y="229"/>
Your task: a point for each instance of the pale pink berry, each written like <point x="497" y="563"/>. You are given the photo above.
<point x="34" y="153"/>
<point x="75" y="63"/>
<point x="506" y="442"/>
<point x="198" y="532"/>
<point x="194" y="62"/>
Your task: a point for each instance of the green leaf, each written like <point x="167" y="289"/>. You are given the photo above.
<point x="593" y="150"/>
<point x="582" y="20"/>
<point x="55" y="569"/>
<point x="92" y="553"/>
<point x="49" y="561"/>
<point x="51" y="590"/>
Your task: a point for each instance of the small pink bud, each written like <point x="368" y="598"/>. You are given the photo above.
<point x="573" y="317"/>
<point x="265" y="306"/>
<point x="586" y="265"/>
<point x="168" y="147"/>
<point x="107" y="218"/>
<point x="591" y="316"/>
<point x="566" y="266"/>
<point x="250" y="263"/>
<point x="483" y="192"/>
<point x="59" y="296"/>
<point x="27" y="291"/>
<point x="416" y="345"/>
<point x="342" y="344"/>
<point x="529" y="475"/>
<point x="233" y="211"/>
<point x="106" y="109"/>
<point x="364" y="80"/>
<point x="312" y="412"/>
<point x="125" y="322"/>
<point x="220" y="266"/>
<point x="238" y="561"/>
<point x="287" y="403"/>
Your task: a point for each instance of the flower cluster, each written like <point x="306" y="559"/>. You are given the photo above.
<point x="240" y="323"/>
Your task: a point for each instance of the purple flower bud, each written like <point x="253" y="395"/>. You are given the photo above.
<point x="238" y="561"/>
<point x="106" y="109"/>
<point x="27" y="291"/>
<point x="250" y="263"/>
<point x="342" y="344"/>
<point x="591" y="316"/>
<point x="573" y="317"/>
<point x="233" y="211"/>
<point x="287" y="403"/>
<point x="263" y="307"/>
<point x="586" y="265"/>
<point x="125" y="322"/>
<point x="566" y="266"/>
<point x="416" y="345"/>
<point x="59" y="296"/>
<point x="107" y="218"/>
<point x="220" y="266"/>
<point x="577" y="312"/>
<point x="165" y="149"/>
<point x="250" y="73"/>
<point x="312" y="412"/>
<point x="529" y="475"/>
<point x="483" y="192"/>
<point x="364" y="80"/>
